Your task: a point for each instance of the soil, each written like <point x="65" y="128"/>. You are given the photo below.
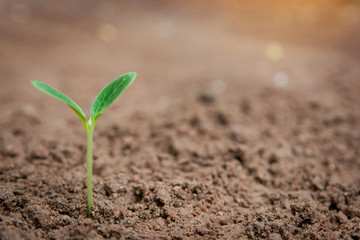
<point x="212" y="141"/>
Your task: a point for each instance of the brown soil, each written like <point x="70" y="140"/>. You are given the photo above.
<point x="203" y="145"/>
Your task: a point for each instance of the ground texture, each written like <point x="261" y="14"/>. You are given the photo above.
<point x="221" y="136"/>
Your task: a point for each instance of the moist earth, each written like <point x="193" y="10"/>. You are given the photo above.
<point x="178" y="159"/>
<point x="271" y="166"/>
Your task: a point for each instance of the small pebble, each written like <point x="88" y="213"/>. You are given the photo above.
<point x="39" y="152"/>
<point x="178" y="204"/>
<point x="53" y="196"/>
<point x="206" y="97"/>
<point x="10" y="151"/>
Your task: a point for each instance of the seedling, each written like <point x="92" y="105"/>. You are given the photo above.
<point x="103" y="100"/>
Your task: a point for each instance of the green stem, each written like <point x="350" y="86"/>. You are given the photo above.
<point x="89" y="137"/>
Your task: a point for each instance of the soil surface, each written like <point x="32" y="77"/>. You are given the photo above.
<point x="240" y="125"/>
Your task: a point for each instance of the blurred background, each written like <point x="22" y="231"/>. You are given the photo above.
<point x="178" y="48"/>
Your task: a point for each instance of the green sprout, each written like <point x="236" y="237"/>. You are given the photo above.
<point x="103" y="100"/>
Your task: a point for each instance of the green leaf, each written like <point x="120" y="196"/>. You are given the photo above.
<point x="108" y="95"/>
<point x="62" y="97"/>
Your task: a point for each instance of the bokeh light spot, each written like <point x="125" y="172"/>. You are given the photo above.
<point x="218" y="86"/>
<point x="107" y="33"/>
<point x="281" y="79"/>
<point x="166" y="29"/>
<point x="274" y="52"/>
